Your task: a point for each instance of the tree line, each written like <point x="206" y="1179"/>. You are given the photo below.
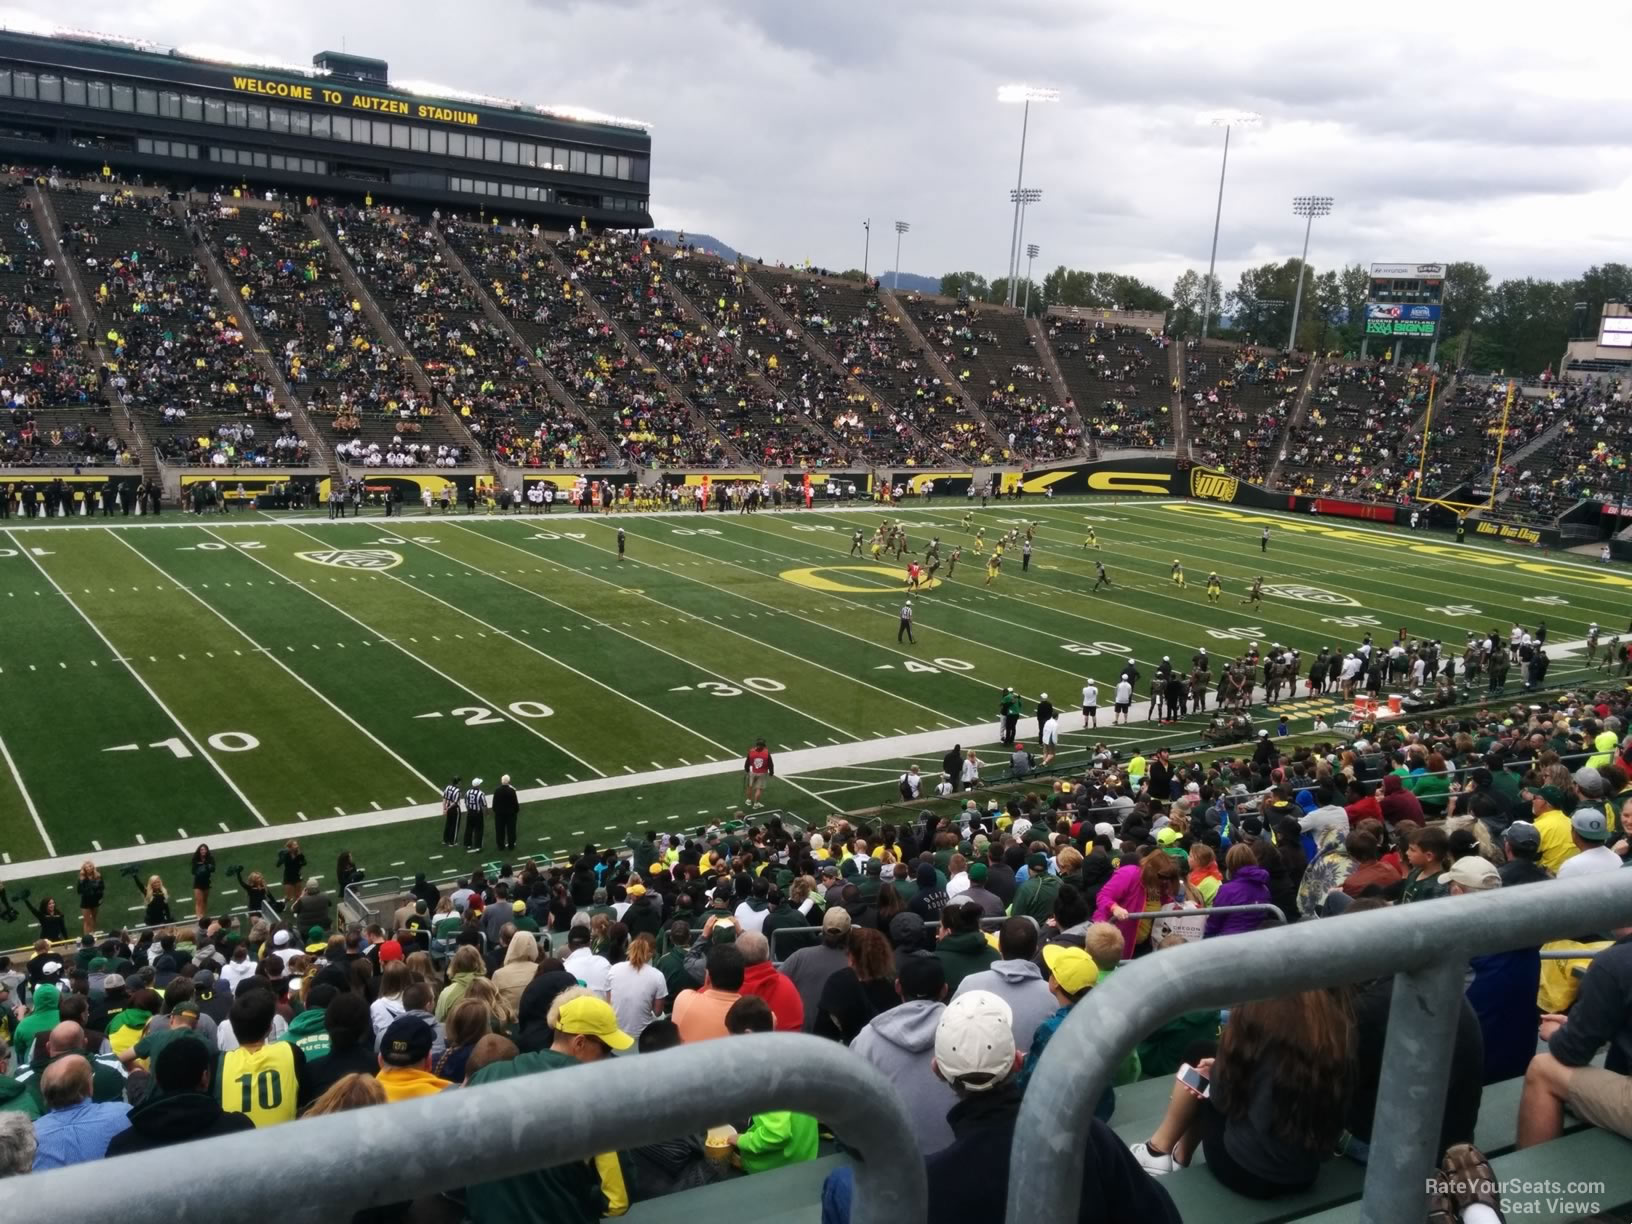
<point x="1519" y="325"/>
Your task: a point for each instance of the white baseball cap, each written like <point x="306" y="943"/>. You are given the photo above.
<point x="974" y="1041"/>
<point x="475" y="781"/>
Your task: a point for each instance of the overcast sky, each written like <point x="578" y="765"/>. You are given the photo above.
<point x="1497" y="133"/>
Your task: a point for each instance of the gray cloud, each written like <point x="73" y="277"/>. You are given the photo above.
<point x="780" y="126"/>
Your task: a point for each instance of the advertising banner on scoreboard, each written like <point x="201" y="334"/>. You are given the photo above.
<point x="1401" y="319"/>
<point x="1409" y="271"/>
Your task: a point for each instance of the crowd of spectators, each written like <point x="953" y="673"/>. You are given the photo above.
<point x="992" y="353"/>
<point x="1119" y="381"/>
<point x="1239" y="405"/>
<point x="856" y="326"/>
<point x="170" y="343"/>
<point x="1587" y="457"/>
<point x="344" y="374"/>
<point x="1358" y="439"/>
<point x="794" y="367"/>
<point x="481" y="376"/>
<point x="51" y="408"/>
<point x="869" y="933"/>
<point x="230" y="442"/>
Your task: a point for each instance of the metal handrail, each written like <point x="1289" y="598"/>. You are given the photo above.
<point x="1425" y="947"/>
<point x="354" y="1160"/>
<point x="1200" y="911"/>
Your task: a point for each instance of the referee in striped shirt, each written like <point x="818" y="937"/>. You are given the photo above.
<point x="475" y="808"/>
<point x="450" y="812"/>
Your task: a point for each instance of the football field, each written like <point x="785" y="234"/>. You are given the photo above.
<point x="243" y="679"/>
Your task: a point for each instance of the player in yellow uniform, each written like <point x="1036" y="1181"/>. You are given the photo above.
<point x="1178" y="573"/>
<point x="1092" y="541"/>
<point x="968" y="518"/>
<point x="1214" y="588"/>
<point x="980" y="541"/>
<point x="994" y="564"/>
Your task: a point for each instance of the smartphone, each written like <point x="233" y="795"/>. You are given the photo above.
<point x="1193" y="1080"/>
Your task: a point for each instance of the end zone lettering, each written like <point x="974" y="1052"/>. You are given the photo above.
<point x="1507" y="531"/>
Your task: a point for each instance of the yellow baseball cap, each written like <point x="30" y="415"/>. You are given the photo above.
<point x="590" y="1017"/>
<point x="1072" y="968"/>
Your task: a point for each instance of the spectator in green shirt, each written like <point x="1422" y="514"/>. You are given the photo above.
<point x="776" y="1138"/>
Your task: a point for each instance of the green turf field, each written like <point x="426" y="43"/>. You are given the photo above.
<point x="235" y="679"/>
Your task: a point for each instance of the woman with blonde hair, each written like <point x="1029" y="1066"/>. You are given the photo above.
<point x="91" y="888"/>
<point x="158" y="903"/>
<point x="637" y="987"/>
<point x="421" y="968"/>
<point x="465" y="968"/>
<point x="354" y="1091"/>
<point x="520" y="964"/>
<point x="293" y="864"/>
<point x="498" y="1007"/>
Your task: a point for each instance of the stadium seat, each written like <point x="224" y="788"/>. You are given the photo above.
<point x="1118" y="377"/>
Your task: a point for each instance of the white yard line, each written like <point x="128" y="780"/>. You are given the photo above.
<point x="157" y="700"/>
<point x="296" y="676"/>
<point x="492" y="705"/>
<point x="17" y="777"/>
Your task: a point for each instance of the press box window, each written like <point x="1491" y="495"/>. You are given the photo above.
<point x="576" y="160"/>
<point x="342" y="127"/>
<point x="510" y="152"/>
<point x="399" y="135"/>
<point x="439" y="142"/>
<point x="97" y="93"/>
<point x="277" y="119"/>
<point x="456" y="144"/>
<point x="170" y="105"/>
<point x="124" y="98"/>
<point x="147" y="101"/>
<point x="320" y="127"/>
<point x="257" y="117"/>
<point x="382" y="134"/>
<point x="192" y="109"/>
<point x="420" y="139"/>
<point x="5" y="82"/>
<point x="217" y="111"/>
<point x="50" y="88"/>
<point x="25" y="85"/>
<point x="492" y="153"/>
<point x="73" y="91"/>
<point x="300" y="122"/>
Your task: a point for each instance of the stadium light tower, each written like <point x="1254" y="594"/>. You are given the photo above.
<point x="1031" y="253"/>
<point x="1026" y="95"/>
<point x="866" y="245"/>
<point x="1225" y="120"/>
<point x="1307" y="207"/>
<point x="1021" y="196"/>
<point x="901" y="227"/>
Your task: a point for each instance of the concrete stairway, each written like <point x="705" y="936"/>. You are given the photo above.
<point x="1300" y="413"/>
<point x="1056" y="376"/>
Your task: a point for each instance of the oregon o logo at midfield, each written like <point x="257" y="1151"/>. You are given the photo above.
<point x="354" y="558"/>
<point x="815" y="577"/>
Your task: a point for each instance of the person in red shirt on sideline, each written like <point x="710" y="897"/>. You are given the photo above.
<point x="763" y="979"/>
<point x="757" y="768"/>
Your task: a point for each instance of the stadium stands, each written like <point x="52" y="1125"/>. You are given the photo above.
<point x="1118" y="379"/>
<point x="177" y="357"/>
<point x="991" y="352"/>
<point x="1238" y="404"/>
<point x="798" y="370"/>
<point x="471" y="364"/>
<point x="1359" y="437"/>
<point x="51" y="408"/>
<point x="855" y="325"/>
<point x="353" y="387"/>
<point x="1585" y="457"/>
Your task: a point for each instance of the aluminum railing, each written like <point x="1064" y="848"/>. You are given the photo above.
<point x="1425" y="947"/>
<point x="354" y="1160"/>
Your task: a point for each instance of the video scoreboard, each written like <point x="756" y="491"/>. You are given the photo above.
<point x="1404" y="300"/>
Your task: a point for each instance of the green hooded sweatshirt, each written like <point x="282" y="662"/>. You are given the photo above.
<point x="40" y="1021"/>
<point x="306" y="1031"/>
<point x="452" y="993"/>
<point x="107" y="1084"/>
<point x="15" y="1098"/>
<point x="564" y="1194"/>
<point x="1036" y="897"/>
<point x="962" y="954"/>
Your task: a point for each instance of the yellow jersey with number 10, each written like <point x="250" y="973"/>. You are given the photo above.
<point x="260" y="1083"/>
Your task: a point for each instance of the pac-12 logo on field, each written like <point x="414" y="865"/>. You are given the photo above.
<point x="354" y="558"/>
<point x="1308" y="594"/>
<point x="1212" y="485"/>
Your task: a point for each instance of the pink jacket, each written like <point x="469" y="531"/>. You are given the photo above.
<point x="1127" y="889"/>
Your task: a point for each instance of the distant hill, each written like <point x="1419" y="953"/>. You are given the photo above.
<point x="703" y="242"/>
<point x="910" y="282"/>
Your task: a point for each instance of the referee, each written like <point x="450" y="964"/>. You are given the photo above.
<point x="450" y="812"/>
<point x="475" y="806"/>
<point x="906" y="624"/>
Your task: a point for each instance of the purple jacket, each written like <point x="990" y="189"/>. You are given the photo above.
<point x="1249" y="886"/>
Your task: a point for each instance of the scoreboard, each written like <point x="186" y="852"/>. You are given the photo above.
<point x="1404" y="301"/>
